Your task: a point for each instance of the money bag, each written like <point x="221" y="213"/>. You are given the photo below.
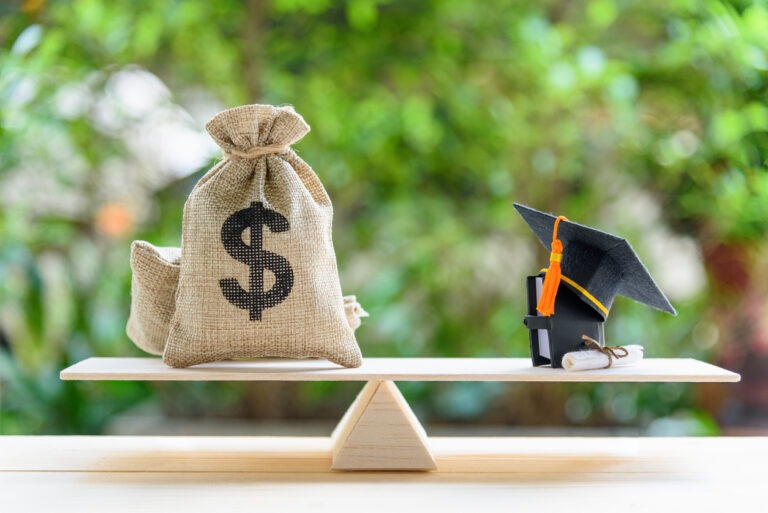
<point x="256" y="274"/>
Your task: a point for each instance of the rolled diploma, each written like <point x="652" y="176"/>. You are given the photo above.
<point x="591" y="359"/>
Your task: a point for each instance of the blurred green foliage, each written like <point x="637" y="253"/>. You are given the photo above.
<point x="429" y="118"/>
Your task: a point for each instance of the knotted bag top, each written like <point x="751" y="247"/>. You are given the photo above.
<point x="252" y="131"/>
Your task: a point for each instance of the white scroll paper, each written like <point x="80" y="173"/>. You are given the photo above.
<point x="591" y="359"/>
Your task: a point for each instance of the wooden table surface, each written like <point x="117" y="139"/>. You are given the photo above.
<point x="258" y="474"/>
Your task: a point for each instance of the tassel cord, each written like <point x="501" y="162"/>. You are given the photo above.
<point x="546" y="304"/>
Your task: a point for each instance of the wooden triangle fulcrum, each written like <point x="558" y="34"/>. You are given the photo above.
<point x="380" y="432"/>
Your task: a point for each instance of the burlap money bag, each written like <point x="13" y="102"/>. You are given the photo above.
<point x="153" y="296"/>
<point x="257" y="275"/>
<point x="153" y="291"/>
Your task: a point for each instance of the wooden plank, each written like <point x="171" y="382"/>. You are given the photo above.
<point x="165" y="454"/>
<point x="574" y="475"/>
<point x="311" y="455"/>
<point x="717" y="490"/>
<point x="380" y="432"/>
<point x="393" y="369"/>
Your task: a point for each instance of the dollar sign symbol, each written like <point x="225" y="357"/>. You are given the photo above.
<point x="255" y="300"/>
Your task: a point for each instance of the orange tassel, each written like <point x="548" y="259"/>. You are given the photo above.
<point x="546" y="304"/>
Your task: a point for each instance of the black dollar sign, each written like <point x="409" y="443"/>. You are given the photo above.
<point x="255" y="300"/>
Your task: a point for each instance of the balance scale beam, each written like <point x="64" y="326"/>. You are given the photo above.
<point x="380" y="431"/>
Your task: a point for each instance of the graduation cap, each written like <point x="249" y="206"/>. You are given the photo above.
<point x="573" y="296"/>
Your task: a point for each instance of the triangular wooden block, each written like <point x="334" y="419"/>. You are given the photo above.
<point x="380" y="432"/>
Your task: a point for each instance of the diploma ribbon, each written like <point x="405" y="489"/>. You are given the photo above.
<point x="610" y="352"/>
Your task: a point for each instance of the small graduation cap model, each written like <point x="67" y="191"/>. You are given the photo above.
<point x="571" y="298"/>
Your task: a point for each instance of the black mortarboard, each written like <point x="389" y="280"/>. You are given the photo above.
<point x="595" y="266"/>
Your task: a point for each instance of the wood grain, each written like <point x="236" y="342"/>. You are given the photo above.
<point x="380" y="432"/>
<point x="244" y="474"/>
<point x="393" y="369"/>
<point x="520" y="455"/>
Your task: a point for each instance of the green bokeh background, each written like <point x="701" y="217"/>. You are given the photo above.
<point x="429" y="118"/>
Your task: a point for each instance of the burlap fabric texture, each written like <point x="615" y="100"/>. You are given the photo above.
<point x="153" y="294"/>
<point x="256" y="275"/>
